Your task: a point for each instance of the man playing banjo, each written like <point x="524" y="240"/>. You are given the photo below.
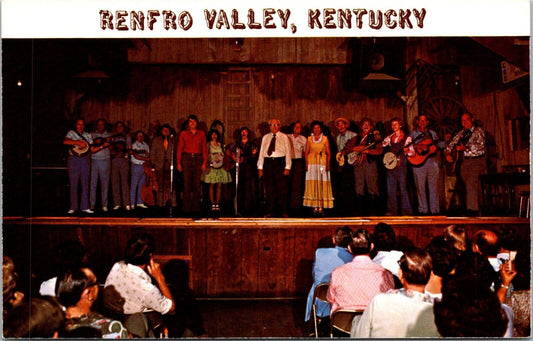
<point x="79" y="165"/>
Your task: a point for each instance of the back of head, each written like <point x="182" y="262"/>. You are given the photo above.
<point x="416" y="266"/>
<point x="383" y="237"/>
<point x="443" y="256"/>
<point x="9" y="278"/>
<point x="343" y="236"/>
<point x="476" y="266"/>
<point x="139" y="249"/>
<point x="487" y="243"/>
<point x="70" y="286"/>
<point x="457" y="236"/>
<point x="38" y="318"/>
<point x="469" y="309"/>
<point x="361" y="243"/>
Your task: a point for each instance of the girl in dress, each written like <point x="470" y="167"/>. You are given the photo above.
<point x="318" y="192"/>
<point x="215" y="175"/>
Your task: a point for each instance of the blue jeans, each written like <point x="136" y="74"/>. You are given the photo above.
<point x="397" y="181"/>
<point x="78" y="171"/>
<point x="100" y="169"/>
<point x="137" y="181"/>
<point x="428" y="172"/>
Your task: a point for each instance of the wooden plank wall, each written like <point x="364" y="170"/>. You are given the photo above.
<point x="246" y="258"/>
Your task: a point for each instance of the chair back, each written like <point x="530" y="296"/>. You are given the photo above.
<point x="320" y="294"/>
<point x="342" y="320"/>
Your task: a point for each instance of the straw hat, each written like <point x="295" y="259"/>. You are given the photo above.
<point x="343" y="119"/>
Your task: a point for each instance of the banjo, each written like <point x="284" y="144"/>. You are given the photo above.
<point x="391" y="161"/>
<point x="79" y="150"/>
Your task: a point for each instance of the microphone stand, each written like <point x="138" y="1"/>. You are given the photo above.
<point x="235" y="202"/>
<point x="320" y="184"/>
<point x="171" y="143"/>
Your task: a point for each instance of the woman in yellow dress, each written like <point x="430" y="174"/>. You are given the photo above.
<point x="318" y="192"/>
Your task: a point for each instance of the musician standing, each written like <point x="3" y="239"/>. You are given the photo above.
<point x="299" y="143"/>
<point x="78" y="166"/>
<point x="397" y="177"/>
<point x="470" y="141"/>
<point x="428" y="171"/>
<point x="100" y="163"/>
<point x="366" y="169"/>
<point x="120" y="167"/>
<point x="191" y="159"/>
<point x="344" y="186"/>
<point x="161" y="151"/>
<point x="140" y="153"/>
<point x="275" y="157"/>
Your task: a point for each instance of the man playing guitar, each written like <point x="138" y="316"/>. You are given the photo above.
<point x="343" y="182"/>
<point x="100" y="164"/>
<point x="79" y="166"/>
<point x="428" y="170"/>
<point x="365" y="168"/>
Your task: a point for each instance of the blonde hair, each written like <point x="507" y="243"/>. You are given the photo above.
<point x="456" y="235"/>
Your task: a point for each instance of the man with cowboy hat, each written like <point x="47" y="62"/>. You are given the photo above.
<point x="344" y="184"/>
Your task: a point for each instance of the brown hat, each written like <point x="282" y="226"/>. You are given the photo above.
<point x="343" y="119"/>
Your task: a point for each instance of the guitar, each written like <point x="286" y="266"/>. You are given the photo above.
<point x="423" y="149"/>
<point x="457" y="156"/>
<point x="217" y="160"/>
<point x="80" y="150"/>
<point x="356" y="158"/>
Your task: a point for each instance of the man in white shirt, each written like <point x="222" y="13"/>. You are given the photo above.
<point x="275" y="160"/>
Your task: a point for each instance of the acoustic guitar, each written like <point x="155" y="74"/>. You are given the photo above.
<point x="217" y="160"/>
<point x="457" y="156"/>
<point x="423" y="150"/>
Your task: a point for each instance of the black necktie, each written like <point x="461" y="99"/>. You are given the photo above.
<point x="272" y="146"/>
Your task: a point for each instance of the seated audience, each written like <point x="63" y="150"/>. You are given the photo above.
<point x="129" y="289"/>
<point x="77" y="290"/>
<point x="326" y="260"/>
<point x="12" y="296"/>
<point x="406" y="312"/>
<point x="443" y="258"/>
<point x="68" y="255"/>
<point x="354" y="284"/>
<point x="486" y="243"/>
<point x="456" y="235"/>
<point x="469" y="309"/>
<point x="38" y="318"/>
<point x="384" y="240"/>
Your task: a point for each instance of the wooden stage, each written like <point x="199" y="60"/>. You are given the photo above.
<point x="228" y="257"/>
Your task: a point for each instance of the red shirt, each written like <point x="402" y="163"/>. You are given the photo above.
<point x="192" y="144"/>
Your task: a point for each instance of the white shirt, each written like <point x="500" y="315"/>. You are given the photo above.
<point x="298" y="146"/>
<point x="389" y="260"/>
<point x="48" y="287"/>
<point x="138" y="146"/>
<point x="283" y="149"/>
<point x="343" y="139"/>
<point x="135" y="286"/>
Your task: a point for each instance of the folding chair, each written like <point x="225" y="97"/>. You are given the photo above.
<point x="342" y="320"/>
<point x="320" y="294"/>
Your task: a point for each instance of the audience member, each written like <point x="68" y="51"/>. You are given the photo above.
<point x="354" y="284"/>
<point x="486" y="243"/>
<point x="457" y="236"/>
<point x="129" y="289"/>
<point x="77" y="290"/>
<point x="38" y="318"/>
<point x="384" y="240"/>
<point x="68" y="255"/>
<point x="443" y="258"/>
<point x="326" y="260"/>
<point x="406" y="312"/>
<point x="11" y="295"/>
<point x="469" y="309"/>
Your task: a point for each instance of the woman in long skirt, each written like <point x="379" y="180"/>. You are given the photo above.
<point x="318" y="192"/>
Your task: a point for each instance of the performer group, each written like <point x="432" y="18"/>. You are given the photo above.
<point x="286" y="172"/>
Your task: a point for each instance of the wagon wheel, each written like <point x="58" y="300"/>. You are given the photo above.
<point x="444" y="113"/>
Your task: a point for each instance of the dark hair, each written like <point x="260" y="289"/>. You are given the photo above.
<point x="415" y="264"/>
<point x="397" y="119"/>
<point x="70" y="286"/>
<point x="139" y="249"/>
<point x="367" y="119"/>
<point x="316" y="122"/>
<point x="120" y="122"/>
<point x="211" y="133"/>
<point x="166" y="125"/>
<point x="192" y="117"/>
<point x="85" y="332"/>
<point x="383" y="237"/>
<point x="142" y="132"/>
<point x="508" y="238"/>
<point x="476" y="266"/>
<point x="293" y="124"/>
<point x="443" y="256"/>
<point x="343" y="236"/>
<point x="487" y="245"/>
<point x="38" y="318"/>
<point x="360" y="243"/>
<point x="469" y="309"/>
